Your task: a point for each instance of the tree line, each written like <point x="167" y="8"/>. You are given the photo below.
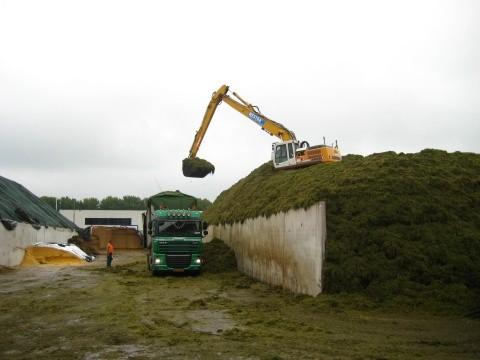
<point x="127" y="202"/>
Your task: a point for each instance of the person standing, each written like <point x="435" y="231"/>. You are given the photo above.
<point x="109" y="253"/>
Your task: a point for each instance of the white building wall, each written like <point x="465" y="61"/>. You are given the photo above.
<point x="286" y="249"/>
<point x="78" y="216"/>
<point x="13" y="242"/>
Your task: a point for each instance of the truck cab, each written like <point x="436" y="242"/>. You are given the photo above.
<point x="175" y="241"/>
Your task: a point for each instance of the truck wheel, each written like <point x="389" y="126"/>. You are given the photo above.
<point x="196" y="272"/>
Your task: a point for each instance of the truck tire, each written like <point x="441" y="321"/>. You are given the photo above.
<point x="196" y="272"/>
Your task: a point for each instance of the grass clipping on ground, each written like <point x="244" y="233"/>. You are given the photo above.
<point x="218" y="257"/>
<point x="398" y="225"/>
<point x="197" y="167"/>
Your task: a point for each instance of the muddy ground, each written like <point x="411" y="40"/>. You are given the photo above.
<point x="88" y="312"/>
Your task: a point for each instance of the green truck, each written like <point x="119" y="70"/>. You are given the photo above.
<point x="173" y="230"/>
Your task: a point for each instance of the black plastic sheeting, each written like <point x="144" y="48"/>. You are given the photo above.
<point x="9" y="224"/>
<point x="18" y="204"/>
<point x="85" y="233"/>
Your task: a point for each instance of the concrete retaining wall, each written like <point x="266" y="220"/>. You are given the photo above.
<point x="286" y="249"/>
<point x="13" y="243"/>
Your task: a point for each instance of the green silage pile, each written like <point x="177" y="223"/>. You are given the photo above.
<point x="218" y="257"/>
<point x="403" y="226"/>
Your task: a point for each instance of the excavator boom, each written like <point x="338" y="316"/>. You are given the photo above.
<point x="272" y="127"/>
<point x="217" y="98"/>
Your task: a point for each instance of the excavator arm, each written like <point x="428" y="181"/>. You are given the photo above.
<point x="212" y="106"/>
<point x="252" y="112"/>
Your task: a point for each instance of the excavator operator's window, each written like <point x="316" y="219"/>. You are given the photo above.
<point x="290" y="151"/>
<point x="281" y="153"/>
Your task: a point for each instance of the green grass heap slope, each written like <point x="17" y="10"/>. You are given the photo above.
<point x="397" y="224"/>
<point x="218" y="257"/>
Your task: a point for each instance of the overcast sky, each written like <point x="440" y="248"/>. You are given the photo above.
<point x="103" y="98"/>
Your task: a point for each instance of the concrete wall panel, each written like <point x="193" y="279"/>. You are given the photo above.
<point x="286" y="249"/>
<point x="14" y="242"/>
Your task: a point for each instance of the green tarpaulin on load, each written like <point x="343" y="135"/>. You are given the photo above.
<point x="172" y="200"/>
<point x="19" y="204"/>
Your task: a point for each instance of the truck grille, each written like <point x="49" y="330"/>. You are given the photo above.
<point x="178" y="261"/>
<point x="178" y="246"/>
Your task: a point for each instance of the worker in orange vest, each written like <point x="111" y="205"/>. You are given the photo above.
<point x="109" y="253"/>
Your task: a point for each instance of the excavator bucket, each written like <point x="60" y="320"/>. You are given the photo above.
<point x="197" y="167"/>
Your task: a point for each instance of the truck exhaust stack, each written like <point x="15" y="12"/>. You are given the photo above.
<point x="196" y="167"/>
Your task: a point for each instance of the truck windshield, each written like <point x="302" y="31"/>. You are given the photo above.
<point x="178" y="228"/>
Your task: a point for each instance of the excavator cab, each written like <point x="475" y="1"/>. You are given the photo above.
<point x="295" y="154"/>
<point x="284" y="153"/>
<point x="292" y="154"/>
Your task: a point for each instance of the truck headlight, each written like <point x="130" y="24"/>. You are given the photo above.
<point x="158" y="261"/>
<point x="198" y="261"/>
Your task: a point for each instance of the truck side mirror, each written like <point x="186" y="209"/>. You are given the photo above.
<point x="205" y="226"/>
